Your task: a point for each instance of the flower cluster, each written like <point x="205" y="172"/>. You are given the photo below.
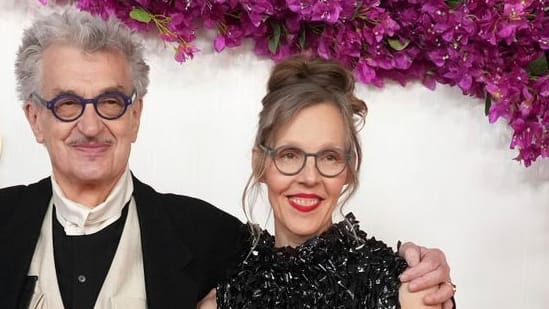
<point x="493" y="49"/>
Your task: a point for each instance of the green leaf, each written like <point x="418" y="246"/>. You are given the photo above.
<point x="275" y="39"/>
<point x="302" y="38"/>
<point x="487" y="104"/>
<point x="453" y="3"/>
<point x="141" y="15"/>
<point x="539" y="66"/>
<point x="397" y="45"/>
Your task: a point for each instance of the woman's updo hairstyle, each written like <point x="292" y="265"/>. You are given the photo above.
<point x="297" y="83"/>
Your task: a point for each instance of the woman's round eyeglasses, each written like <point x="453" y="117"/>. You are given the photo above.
<point x="291" y="160"/>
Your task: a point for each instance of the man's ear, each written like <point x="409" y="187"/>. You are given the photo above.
<point x="32" y="112"/>
<point x="136" y="110"/>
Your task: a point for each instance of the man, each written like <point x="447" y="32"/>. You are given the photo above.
<point x="92" y="235"/>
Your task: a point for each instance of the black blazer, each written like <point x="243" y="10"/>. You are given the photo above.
<point x="188" y="245"/>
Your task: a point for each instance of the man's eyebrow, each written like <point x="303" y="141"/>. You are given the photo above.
<point x="59" y="91"/>
<point x="113" y="88"/>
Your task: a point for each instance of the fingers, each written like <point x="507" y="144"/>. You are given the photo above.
<point x="448" y="305"/>
<point x="442" y="296"/>
<point x="431" y="271"/>
<point x="430" y="279"/>
<point x="428" y="264"/>
<point x="432" y="260"/>
<point x="411" y="253"/>
<point x="428" y="269"/>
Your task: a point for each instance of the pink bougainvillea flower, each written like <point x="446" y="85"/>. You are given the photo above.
<point x="185" y="52"/>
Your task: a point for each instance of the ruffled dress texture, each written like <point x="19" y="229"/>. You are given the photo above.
<point x="341" y="268"/>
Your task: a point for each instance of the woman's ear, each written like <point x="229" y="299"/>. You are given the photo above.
<point x="349" y="178"/>
<point x="256" y="159"/>
<point x="352" y="165"/>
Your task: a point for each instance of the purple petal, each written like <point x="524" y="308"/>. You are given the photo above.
<point x="507" y="31"/>
<point x="365" y="73"/>
<point x="402" y="61"/>
<point x="219" y="43"/>
<point x="465" y="82"/>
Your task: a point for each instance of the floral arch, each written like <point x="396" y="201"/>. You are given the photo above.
<point x="497" y="50"/>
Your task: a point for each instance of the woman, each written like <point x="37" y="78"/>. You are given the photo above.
<point x="307" y="154"/>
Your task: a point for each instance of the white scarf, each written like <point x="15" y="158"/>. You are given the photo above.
<point x="124" y="286"/>
<point x="78" y="219"/>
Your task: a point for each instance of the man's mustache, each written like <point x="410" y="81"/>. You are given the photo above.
<point x="90" y="140"/>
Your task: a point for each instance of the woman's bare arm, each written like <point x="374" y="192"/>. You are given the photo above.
<point x="208" y="302"/>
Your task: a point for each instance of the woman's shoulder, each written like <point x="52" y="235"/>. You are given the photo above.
<point x="350" y="229"/>
<point x="343" y="239"/>
<point x="366" y="251"/>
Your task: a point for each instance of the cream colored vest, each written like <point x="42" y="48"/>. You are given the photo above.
<point x="124" y="286"/>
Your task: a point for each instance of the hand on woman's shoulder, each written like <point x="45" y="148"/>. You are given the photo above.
<point x="414" y="300"/>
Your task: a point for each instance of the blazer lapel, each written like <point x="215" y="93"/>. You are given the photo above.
<point x="19" y="237"/>
<point x="164" y="255"/>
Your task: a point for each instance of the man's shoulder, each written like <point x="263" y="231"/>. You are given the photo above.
<point x="14" y="195"/>
<point x="17" y="190"/>
<point x="19" y="200"/>
<point x="210" y="236"/>
<point x="182" y="207"/>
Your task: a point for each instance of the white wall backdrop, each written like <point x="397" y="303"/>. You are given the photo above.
<point x="435" y="171"/>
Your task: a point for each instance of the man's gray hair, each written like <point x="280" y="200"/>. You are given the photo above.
<point x="80" y="29"/>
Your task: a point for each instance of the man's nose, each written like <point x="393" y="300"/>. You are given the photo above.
<point x="90" y="123"/>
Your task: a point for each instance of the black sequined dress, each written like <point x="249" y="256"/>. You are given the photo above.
<point x="340" y="268"/>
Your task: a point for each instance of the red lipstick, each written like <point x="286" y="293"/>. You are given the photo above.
<point x="306" y="196"/>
